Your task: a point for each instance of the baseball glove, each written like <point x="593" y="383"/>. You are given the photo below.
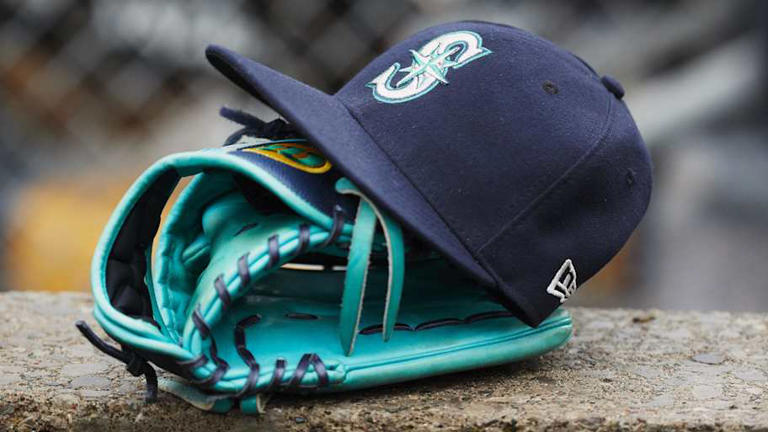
<point x="274" y="273"/>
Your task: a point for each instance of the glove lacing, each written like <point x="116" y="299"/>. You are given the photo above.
<point x="353" y="290"/>
<point x="276" y="129"/>
<point x="134" y="363"/>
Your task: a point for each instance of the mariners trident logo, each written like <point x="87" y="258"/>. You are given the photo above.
<point x="429" y="67"/>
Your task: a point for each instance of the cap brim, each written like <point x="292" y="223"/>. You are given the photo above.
<point x="329" y="125"/>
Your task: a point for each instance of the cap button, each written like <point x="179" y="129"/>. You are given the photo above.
<point x="613" y="86"/>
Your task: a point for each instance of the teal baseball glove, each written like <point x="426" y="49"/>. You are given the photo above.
<point x="274" y="273"/>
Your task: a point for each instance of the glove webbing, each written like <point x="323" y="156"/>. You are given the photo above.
<point x="352" y="298"/>
<point x="225" y="297"/>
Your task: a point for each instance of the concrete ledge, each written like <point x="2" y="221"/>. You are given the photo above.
<point x="624" y="369"/>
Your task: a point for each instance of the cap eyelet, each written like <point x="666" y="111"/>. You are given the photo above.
<point x="630" y="177"/>
<point x="550" y="87"/>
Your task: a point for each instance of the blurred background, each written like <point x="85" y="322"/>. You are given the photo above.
<point x="91" y="92"/>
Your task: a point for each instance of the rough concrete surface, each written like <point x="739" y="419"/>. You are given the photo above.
<point x="623" y="369"/>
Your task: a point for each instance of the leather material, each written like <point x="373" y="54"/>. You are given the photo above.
<point x="218" y="291"/>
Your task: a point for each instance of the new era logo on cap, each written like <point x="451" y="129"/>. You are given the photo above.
<point x="564" y="283"/>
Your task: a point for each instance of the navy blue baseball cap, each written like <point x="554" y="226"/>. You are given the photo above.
<point x="506" y="153"/>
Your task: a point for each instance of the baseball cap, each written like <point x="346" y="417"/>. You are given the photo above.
<point x="509" y="155"/>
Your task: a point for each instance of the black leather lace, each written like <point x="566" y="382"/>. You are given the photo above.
<point x="255" y="127"/>
<point x="134" y="363"/>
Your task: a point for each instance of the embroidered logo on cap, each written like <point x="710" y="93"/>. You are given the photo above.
<point x="429" y="66"/>
<point x="564" y="282"/>
<point x="295" y="154"/>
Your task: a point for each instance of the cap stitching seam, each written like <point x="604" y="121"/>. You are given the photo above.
<point x="522" y="302"/>
<point x="536" y="201"/>
<point x="413" y="185"/>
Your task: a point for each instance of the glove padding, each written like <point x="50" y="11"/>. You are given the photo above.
<point x="269" y="279"/>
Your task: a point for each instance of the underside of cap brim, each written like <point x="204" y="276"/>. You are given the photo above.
<point x="328" y="124"/>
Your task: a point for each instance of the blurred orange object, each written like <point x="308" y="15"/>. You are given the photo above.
<point x="53" y="227"/>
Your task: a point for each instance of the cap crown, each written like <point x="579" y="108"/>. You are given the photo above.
<point x="487" y="120"/>
<point x="507" y="154"/>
